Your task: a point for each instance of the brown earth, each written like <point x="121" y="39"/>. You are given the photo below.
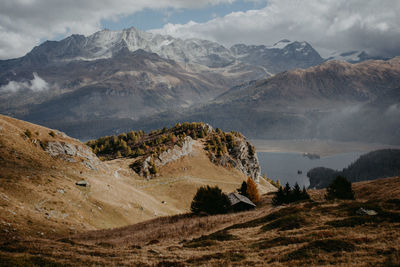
<point x="38" y="195"/>
<point x="316" y="233"/>
<point x="34" y="233"/>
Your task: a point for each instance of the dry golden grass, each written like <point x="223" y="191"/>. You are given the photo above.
<point x="31" y="203"/>
<point x="265" y="236"/>
<point x="314" y="233"/>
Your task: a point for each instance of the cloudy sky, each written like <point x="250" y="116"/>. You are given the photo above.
<point x="329" y="25"/>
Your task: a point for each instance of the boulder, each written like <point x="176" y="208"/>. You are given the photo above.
<point x="362" y="211"/>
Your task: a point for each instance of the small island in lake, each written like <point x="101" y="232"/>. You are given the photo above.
<point x="311" y="155"/>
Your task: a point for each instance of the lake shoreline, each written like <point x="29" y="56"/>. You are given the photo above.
<point x="323" y="148"/>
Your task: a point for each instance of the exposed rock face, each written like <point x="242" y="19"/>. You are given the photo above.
<point x="68" y="152"/>
<point x="242" y="157"/>
<point x="246" y="159"/>
<point x="170" y="155"/>
<point x="176" y="152"/>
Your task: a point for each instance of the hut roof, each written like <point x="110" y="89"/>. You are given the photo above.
<point x="235" y="198"/>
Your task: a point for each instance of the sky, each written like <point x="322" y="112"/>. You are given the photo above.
<point x="328" y="25"/>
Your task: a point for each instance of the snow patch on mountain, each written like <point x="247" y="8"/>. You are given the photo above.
<point x="281" y="44"/>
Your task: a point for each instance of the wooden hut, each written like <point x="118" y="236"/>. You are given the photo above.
<point x="240" y="202"/>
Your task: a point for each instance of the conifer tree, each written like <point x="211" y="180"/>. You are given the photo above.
<point x="243" y="189"/>
<point x="287" y="192"/>
<point x="304" y="194"/>
<point x="279" y="197"/>
<point x="296" y="193"/>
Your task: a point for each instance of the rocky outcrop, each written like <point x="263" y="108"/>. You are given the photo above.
<point x="245" y="159"/>
<point x="242" y="157"/>
<point x="146" y="167"/>
<point x="176" y="152"/>
<point x="70" y="152"/>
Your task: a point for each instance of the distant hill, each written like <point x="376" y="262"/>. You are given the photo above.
<point x="373" y="165"/>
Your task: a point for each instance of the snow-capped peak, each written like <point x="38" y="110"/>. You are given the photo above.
<point x="281" y="44"/>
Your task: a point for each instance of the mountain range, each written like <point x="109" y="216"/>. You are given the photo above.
<point x="112" y="81"/>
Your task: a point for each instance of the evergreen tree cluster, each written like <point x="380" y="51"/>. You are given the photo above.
<point x="210" y="200"/>
<point x="136" y="144"/>
<point x="220" y="142"/>
<point x="286" y="195"/>
<point x="373" y="165"/>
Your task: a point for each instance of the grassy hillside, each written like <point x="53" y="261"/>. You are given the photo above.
<point x="39" y="195"/>
<point x="311" y="233"/>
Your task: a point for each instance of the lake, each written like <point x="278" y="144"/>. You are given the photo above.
<point x="285" y="166"/>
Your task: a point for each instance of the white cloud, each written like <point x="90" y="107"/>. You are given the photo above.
<point x="24" y="23"/>
<point x="329" y="25"/>
<point x="37" y="84"/>
<point x="335" y="25"/>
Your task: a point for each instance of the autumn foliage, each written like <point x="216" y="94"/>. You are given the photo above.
<point x="252" y="191"/>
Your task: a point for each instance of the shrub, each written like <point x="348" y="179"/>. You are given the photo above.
<point x="287" y="195"/>
<point x="340" y="188"/>
<point x="276" y="183"/>
<point x="252" y="191"/>
<point x="210" y="200"/>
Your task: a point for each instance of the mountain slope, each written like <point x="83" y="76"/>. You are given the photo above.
<point x="130" y="74"/>
<point x="333" y="80"/>
<point x="130" y="85"/>
<point x="312" y="233"/>
<point x="282" y="56"/>
<point x="40" y="168"/>
<point x="336" y="100"/>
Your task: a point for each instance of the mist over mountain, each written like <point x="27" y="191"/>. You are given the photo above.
<point x="114" y="81"/>
<point x="335" y="100"/>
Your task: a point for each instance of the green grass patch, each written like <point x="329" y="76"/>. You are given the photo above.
<point x="288" y="222"/>
<point x="316" y="247"/>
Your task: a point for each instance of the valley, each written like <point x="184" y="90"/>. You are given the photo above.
<point x="109" y="155"/>
<point x="115" y="81"/>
